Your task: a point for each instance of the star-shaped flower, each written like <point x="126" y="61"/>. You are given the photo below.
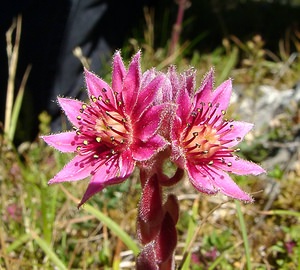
<point x="114" y="130"/>
<point x="203" y="141"/>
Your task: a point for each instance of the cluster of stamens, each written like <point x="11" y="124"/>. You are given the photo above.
<point x="202" y="138"/>
<point x="103" y="128"/>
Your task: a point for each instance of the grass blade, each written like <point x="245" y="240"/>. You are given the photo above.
<point x="107" y="221"/>
<point x="281" y="212"/>
<point x="20" y="241"/>
<point x="48" y="251"/>
<point x="17" y="105"/>
<point x="244" y="233"/>
<point x="114" y="227"/>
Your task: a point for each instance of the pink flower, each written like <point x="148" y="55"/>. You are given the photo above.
<point x="112" y="132"/>
<point x="203" y="140"/>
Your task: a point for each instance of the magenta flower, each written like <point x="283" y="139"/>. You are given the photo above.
<point x="112" y="132"/>
<point x="203" y="140"/>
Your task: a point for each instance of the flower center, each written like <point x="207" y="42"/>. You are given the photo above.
<point x="203" y="138"/>
<point x="112" y="128"/>
<point x="103" y="130"/>
<point x="201" y="142"/>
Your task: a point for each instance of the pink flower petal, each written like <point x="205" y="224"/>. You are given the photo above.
<point x="75" y="170"/>
<point x="97" y="87"/>
<point x="174" y="80"/>
<point x="227" y="186"/>
<point x="118" y="73"/>
<point x="146" y="96"/>
<point x="91" y="190"/>
<point x="237" y="134"/>
<point x="200" y="180"/>
<point x="148" y="76"/>
<point x="105" y="177"/>
<point x="190" y="78"/>
<point x="222" y="94"/>
<point x="131" y="83"/>
<point x="126" y="164"/>
<point x="71" y="108"/>
<point x="142" y="151"/>
<point x="149" y="122"/>
<point x="184" y="104"/>
<point x="206" y="88"/>
<point x="63" y="142"/>
<point x="177" y="128"/>
<point x="240" y="166"/>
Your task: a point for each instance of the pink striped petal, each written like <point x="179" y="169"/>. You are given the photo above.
<point x="126" y="164"/>
<point x="71" y="108"/>
<point x="63" y="142"/>
<point x="184" y="103"/>
<point x="142" y="151"/>
<point x="118" y="73"/>
<point x="149" y="122"/>
<point x="91" y="190"/>
<point x="174" y="80"/>
<point x="227" y="186"/>
<point x="237" y="134"/>
<point x="146" y="96"/>
<point x="200" y="179"/>
<point x="206" y="88"/>
<point x="97" y="87"/>
<point x="240" y="166"/>
<point x="148" y="76"/>
<point x="105" y="177"/>
<point x="76" y="169"/>
<point x="190" y="78"/>
<point x="222" y="94"/>
<point x="131" y="83"/>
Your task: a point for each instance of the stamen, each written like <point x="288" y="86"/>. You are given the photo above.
<point x="93" y="98"/>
